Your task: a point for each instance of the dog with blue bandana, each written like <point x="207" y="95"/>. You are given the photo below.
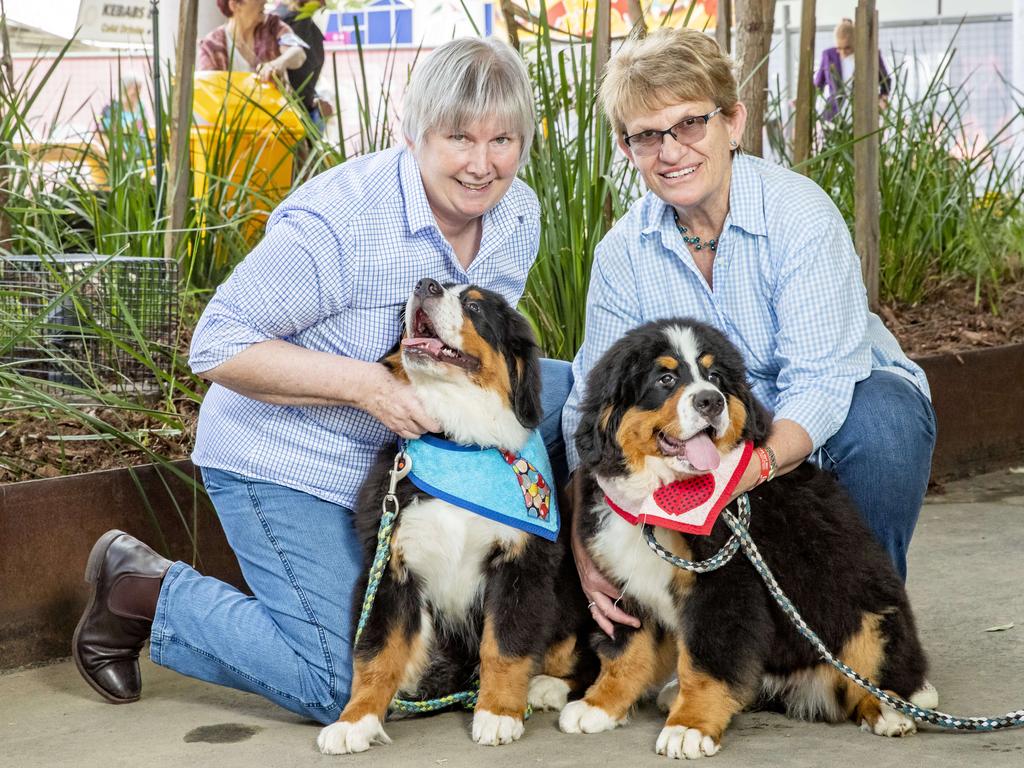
<point x="479" y="584"/>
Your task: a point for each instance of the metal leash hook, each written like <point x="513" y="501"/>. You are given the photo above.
<point x="399" y="470"/>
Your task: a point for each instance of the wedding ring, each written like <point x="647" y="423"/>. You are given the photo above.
<point x="591" y="604"/>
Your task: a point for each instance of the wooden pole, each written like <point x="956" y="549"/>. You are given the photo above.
<point x="7" y="92"/>
<point x="723" y="25"/>
<point x="602" y="52"/>
<point x="636" y="15"/>
<point x="181" y="125"/>
<point x="753" y="39"/>
<point x="866" y="193"/>
<point x="804" y="87"/>
<point x="511" y="23"/>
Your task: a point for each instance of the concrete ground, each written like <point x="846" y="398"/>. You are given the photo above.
<point x="966" y="574"/>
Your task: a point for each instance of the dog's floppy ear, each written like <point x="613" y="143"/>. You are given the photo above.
<point x="610" y="384"/>
<point x="759" y="421"/>
<point x="522" y="356"/>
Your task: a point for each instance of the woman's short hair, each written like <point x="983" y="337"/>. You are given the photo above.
<point x="464" y="80"/>
<point x="668" y="67"/>
<point x="844" y="33"/>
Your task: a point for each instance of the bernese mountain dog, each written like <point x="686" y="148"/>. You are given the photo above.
<point x="655" y="405"/>
<point x="464" y="597"/>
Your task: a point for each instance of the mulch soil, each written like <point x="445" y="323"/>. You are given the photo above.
<point x="31" y="446"/>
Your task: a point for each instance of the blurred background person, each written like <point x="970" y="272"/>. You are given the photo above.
<point x="251" y="41"/>
<point x="835" y="73"/>
<point x="304" y="79"/>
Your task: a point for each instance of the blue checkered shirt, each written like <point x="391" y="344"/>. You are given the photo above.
<point x="787" y="291"/>
<point x="333" y="272"/>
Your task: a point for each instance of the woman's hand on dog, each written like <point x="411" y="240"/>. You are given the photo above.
<point x="395" y="404"/>
<point x="598" y="590"/>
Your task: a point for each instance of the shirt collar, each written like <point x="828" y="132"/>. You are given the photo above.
<point x="418" y="215"/>
<point x="746" y="203"/>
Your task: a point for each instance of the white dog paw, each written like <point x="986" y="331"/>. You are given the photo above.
<point x="580" y="717"/>
<point x="490" y="729"/>
<point x="343" y="738"/>
<point x="547" y="692"/>
<point x="678" y="742"/>
<point x="667" y="695"/>
<point x="890" y="723"/>
<point x="927" y="697"/>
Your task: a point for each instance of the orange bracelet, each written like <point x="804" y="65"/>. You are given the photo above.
<point x="766" y="465"/>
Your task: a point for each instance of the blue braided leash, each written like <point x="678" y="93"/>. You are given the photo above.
<point x="740" y="539"/>
<point x="401" y="467"/>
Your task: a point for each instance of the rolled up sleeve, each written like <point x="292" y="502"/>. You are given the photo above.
<point x="297" y="275"/>
<point x="821" y="313"/>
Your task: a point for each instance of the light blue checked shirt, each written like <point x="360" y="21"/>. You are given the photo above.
<point x="333" y="272"/>
<point x="787" y="291"/>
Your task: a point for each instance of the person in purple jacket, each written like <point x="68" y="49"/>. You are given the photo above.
<point x="835" y="73"/>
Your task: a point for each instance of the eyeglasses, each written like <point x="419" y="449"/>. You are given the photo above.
<point x="689" y="130"/>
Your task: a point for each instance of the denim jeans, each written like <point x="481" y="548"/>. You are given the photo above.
<point x="291" y="641"/>
<point x="882" y="455"/>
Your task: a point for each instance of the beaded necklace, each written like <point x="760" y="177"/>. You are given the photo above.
<point x="696" y="242"/>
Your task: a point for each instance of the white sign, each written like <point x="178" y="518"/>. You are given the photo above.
<point x="115" y="21"/>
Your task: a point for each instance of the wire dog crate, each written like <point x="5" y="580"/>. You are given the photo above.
<point x="88" y="321"/>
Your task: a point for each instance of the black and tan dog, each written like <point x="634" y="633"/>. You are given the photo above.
<point x="463" y="597"/>
<point x="655" y="404"/>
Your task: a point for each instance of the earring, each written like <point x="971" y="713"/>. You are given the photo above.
<point x="733" y="144"/>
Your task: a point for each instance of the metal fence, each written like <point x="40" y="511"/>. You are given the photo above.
<point x="88" y="320"/>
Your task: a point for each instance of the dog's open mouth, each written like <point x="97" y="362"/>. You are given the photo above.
<point x="699" y="450"/>
<point x="425" y="341"/>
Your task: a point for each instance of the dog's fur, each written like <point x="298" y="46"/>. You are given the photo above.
<point x="721" y="632"/>
<point x="463" y="597"/>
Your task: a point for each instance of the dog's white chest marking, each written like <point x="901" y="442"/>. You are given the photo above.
<point x="446" y="547"/>
<point x="623" y="554"/>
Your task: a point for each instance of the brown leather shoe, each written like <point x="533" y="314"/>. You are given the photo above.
<point x="125" y="575"/>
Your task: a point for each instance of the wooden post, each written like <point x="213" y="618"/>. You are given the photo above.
<point x="723" y="25"/>
<point x="602" y="52"/>
<point x="636" y="14"/>
<point x="7" y="91"/>
<point x="866" y="193"/>
<point x="753" y="39"/>
<point x="511" y="23"/>
<point x="804" y="87"/>
<point x="181" y="127"/>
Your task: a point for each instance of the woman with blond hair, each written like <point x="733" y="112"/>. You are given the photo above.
<point x="835" y="73"/>
<point x="762" y="254"/>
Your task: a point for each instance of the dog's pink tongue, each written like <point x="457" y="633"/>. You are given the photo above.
<point x="700" y="451"/>
<point x="431" y="345"/>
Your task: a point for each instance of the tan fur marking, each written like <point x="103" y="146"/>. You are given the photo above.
<point x="474" y="294"/>
<point x="493" y="371"/>
<point x="375" y="681"/>
<point x="708" y="360"/>
<point x="394" y="361"/>
<point x="637" y="434"/>
<point x="504" y="680"/>
<point x="511" y="550"/>
<point x="703" y="702"/>
<point x="560" y="660"/>
<point x="606" y="414"/>
<point x="737" y="421"/>
<point x="625" y="678"/>
<point x="864" y="652"/>
<point x="396" y="562"/>
<point x="665" y="361"/>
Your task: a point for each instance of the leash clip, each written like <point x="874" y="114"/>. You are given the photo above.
<point x="399" y="470"/>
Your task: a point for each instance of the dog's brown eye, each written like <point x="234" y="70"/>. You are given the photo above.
<point x="473" y="307"/>
<point x="715" y="379"/>
<point x="667" y="380"/>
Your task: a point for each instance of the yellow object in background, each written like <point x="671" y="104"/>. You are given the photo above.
<point x="242" y="142"/>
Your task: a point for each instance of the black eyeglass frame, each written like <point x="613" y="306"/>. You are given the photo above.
<point x="670" y="131"/>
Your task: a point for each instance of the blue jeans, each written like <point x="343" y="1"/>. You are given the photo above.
<point x="882" y="455"/>
<point x="291" y="641"/>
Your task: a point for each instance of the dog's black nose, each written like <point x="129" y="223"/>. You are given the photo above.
<point x="428" y="287"/>
<point x="708" y="404"/>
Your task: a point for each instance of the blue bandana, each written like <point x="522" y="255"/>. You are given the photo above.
<point x="509" y="488"/>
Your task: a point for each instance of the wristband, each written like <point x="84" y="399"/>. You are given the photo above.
<point x="766" y="465"/>
<point x="772" y="462"/>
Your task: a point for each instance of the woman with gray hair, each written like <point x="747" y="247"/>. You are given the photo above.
<point x="299" y="407"/>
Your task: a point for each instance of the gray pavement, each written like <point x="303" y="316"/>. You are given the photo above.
<point x="966" y="575"/>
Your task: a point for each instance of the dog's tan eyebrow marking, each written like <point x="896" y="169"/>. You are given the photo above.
<point x="667" y="361"/>
<point x="474" y="294"/>
<point x="708" y="360"/>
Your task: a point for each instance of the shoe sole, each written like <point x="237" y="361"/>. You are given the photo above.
<point x="92" y="572"/>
